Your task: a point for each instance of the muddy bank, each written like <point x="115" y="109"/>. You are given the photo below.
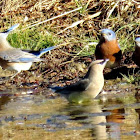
<point x="62" y="68"/>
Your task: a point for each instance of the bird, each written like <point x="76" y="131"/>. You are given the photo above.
<point x="15" y="59"/>
<point x="136" y="53"/>
<point x="108" y="48"/>
<point x="88" y="87"/>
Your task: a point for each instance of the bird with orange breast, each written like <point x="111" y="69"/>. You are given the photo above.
<point x="136" y="54"/>
<point x="108" y="48"/>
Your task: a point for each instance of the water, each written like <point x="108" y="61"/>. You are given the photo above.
<point x="30" y="115"/>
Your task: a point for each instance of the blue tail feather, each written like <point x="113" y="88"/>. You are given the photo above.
<point x="11" y="28"/>
<point x="46" y="50"/>
<point x="40" y="53"/>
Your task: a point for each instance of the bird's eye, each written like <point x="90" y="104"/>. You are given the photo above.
<point x="109" y="33"/>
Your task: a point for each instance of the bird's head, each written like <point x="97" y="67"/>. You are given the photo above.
<point x="108" y="34"/>
<point x="98" y="65"/>
<point x="3" y="37"/>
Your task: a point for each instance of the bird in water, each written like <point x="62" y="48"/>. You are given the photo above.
<point x="88" y="87"/>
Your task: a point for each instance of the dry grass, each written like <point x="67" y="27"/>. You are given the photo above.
<point x="74" y="25"/>
<point x="79" y="27"/>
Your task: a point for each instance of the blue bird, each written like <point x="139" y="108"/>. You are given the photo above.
<point x="108" y="48"/>
<point x="15" y="58"/>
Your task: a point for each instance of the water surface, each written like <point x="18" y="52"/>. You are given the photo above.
<point x="28" y="115"/>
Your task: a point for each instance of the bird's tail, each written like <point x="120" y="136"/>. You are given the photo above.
<point x="56" y="89"/>
<point x="5" y="33"/>
<point x="46" y="50"/>
<point x="11" y="28"/>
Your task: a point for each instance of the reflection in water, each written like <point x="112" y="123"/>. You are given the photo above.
<point x="32" y="116"/>
<point x="81" y="117"/>
<point x="91" y="117"/>
<point x="124" y="121"/>
<point x="131" y="122"/>
<point x="115" y="120"/>
<point x="4" y="98"/>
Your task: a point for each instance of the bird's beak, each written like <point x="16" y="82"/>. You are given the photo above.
<point x="106" y="60"/>
<point x="103" y="34"/>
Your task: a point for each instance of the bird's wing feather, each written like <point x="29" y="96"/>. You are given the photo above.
<point x="17" y="55"/>
<point x="79" y="86"/>
<point x="98" y="52"/>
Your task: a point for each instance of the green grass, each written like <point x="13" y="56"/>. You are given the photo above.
<point x="79" y="3"/>
<point x="123" y="19"/>
<point x="131" y="78"/>
<point x="32" y="39"/>
<point x="86" y="51"/>
<point x="127" y="38"/>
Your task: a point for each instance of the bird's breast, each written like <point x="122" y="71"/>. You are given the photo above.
<point x="109" y="48"/>
<point x="18" y="66"/>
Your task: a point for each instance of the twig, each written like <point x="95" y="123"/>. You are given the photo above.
<point x="110" y="12"/>
<point x="80" y="21"/>
<point x="136" y="2"/>
<point x="85" y="47"/>
<point x="65" y="13"/>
